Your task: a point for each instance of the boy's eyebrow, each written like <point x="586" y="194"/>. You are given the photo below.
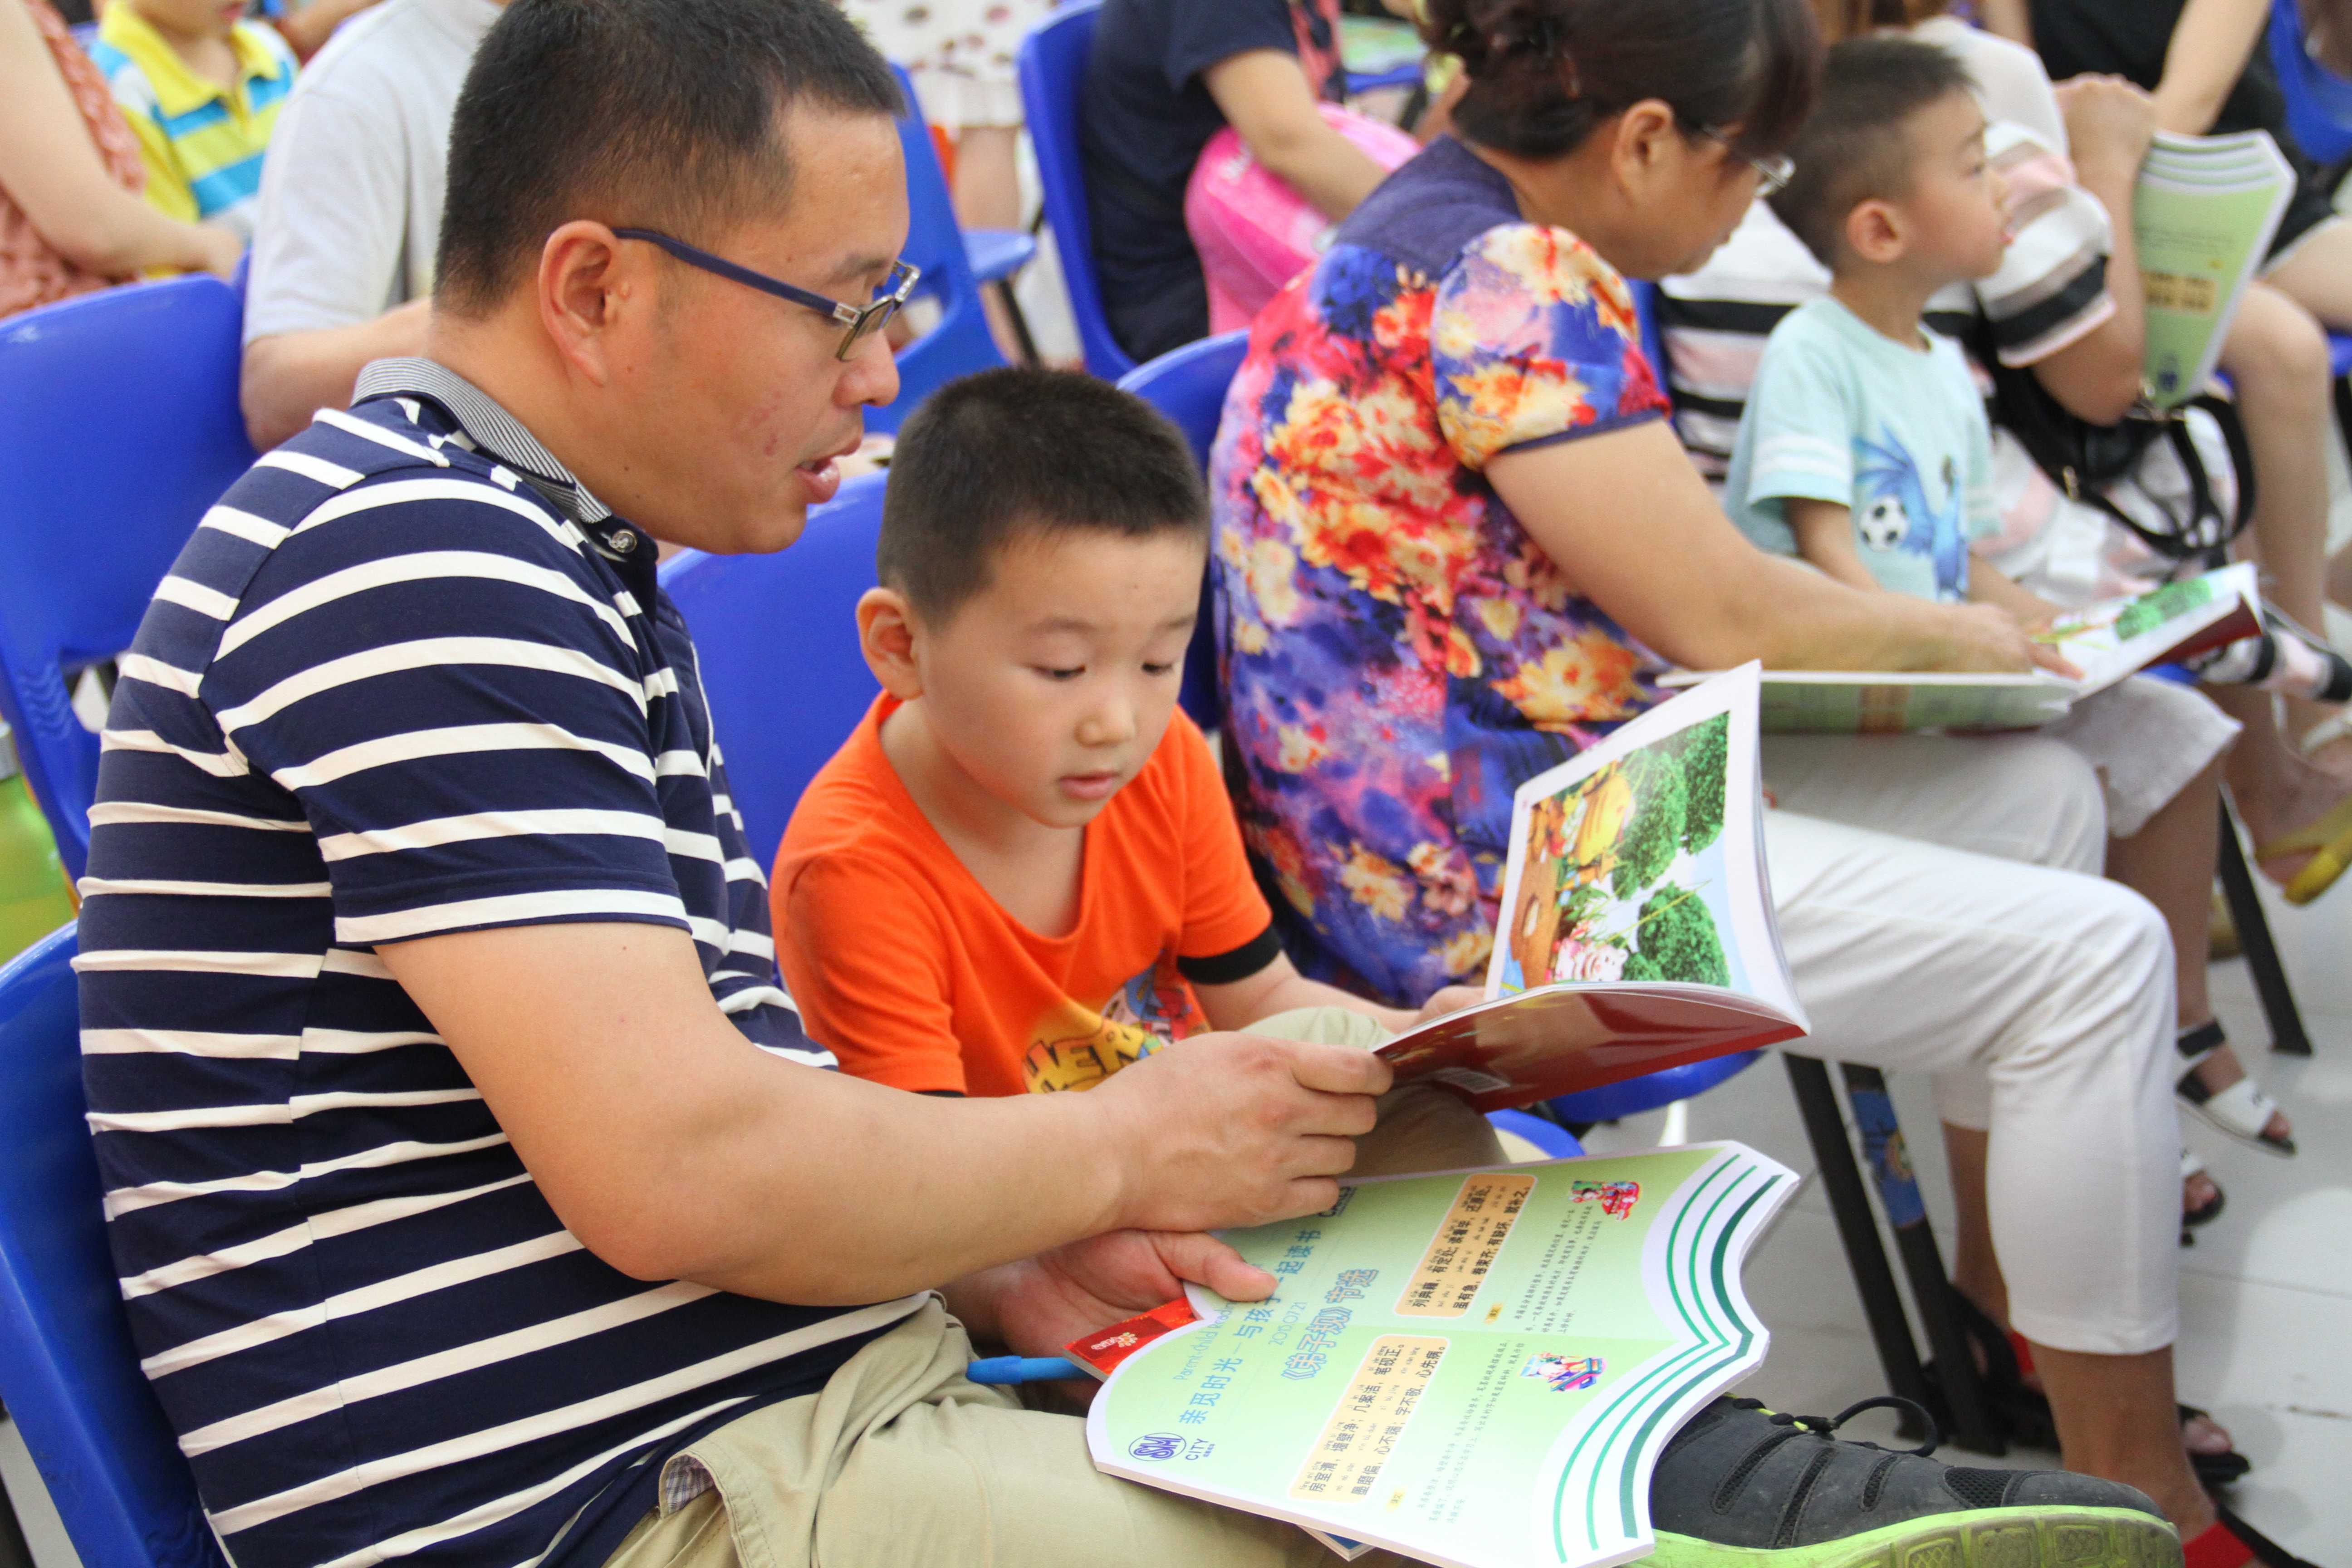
<point x="1080" y="624"/>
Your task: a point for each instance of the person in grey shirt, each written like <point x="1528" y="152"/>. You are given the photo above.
<point x="351" y="208"/>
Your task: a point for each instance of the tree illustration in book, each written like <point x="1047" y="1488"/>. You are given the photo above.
<point x="1619" y="870"/>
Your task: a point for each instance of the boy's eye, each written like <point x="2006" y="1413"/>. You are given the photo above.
<point x="1050" y="673"/>
<point x="1158" y="669"/>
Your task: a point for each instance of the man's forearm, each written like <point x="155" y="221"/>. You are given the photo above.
<point x="289" y="376"/>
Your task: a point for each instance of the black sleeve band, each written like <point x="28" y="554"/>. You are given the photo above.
<point x="1239" y="965"/>
<point x="942" y="1093"/>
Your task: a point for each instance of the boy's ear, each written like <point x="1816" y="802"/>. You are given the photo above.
<point x="887" y="634"/>
<point x="1875" y="232"/>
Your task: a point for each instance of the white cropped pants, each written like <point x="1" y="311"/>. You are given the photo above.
<point x="1981" y="946"/>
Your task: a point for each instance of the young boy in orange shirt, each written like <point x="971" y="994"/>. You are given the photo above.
<point x="1022" y="873"/>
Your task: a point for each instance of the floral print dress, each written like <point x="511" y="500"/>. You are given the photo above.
<point x="1398" y="655"/>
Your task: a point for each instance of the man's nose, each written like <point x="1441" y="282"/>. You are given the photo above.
<point x="872" y="376"/>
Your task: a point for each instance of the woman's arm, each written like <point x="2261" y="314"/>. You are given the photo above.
<point x="1628" y="520"/>
<point x="2211" y="45"/>
<point x="2109" y="123"/>
<point x="50" y="168"/>
<point x="1264" y="95"/>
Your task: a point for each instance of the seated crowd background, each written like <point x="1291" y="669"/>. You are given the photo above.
<point x="413" y="748"/>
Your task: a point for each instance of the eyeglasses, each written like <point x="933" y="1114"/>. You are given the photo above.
<point x="1772" y="173"/>
<point x="861" y="320"/>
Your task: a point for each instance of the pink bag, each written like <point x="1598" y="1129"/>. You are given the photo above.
<point x="1255" y="233"/>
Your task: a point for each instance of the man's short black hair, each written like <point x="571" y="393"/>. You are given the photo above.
<point x="995" y="455"/>
<point x="1854" y="149"/>
<point x="652" y="113"/>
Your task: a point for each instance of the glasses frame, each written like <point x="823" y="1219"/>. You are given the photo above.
<point x="860" y="321"/>
<point x="1773" y="175"/>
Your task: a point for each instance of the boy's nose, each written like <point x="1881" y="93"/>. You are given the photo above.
<point x="1111" y="724"/>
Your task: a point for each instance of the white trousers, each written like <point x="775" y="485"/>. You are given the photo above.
<point x="1981" y="946"/>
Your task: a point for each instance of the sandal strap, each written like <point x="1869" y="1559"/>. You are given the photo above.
<point x="2242" y="1107"/>
<point x="2200" y="1040"/>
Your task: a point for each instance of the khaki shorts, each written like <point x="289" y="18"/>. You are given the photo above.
<point x="903" y="1462"/>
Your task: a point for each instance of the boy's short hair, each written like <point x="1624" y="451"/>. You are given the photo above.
<point x="993" y="456"/>
<point x="1854" y="149"/>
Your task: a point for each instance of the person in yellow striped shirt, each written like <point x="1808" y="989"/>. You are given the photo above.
<point x="201" y="87"/>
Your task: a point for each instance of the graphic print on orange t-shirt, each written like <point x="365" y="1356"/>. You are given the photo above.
<point x="1074" y="1046"/>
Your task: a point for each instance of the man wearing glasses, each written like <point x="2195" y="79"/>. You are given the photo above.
<point x="474" y="1195"/>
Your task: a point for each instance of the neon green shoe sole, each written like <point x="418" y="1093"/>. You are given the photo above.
<point x="2040" y="1537"/>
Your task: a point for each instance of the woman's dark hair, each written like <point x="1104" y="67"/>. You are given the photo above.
<point x="657" y="113"/>
<point x="1544" y="73"/>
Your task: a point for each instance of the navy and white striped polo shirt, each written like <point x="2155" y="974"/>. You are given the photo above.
<point x="407" y="678"/>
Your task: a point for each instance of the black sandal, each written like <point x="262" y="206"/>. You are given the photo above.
<point x="2023" y="1413"/>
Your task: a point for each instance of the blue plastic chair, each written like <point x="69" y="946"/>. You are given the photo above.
<point x="776" y="637"/>
<point x="2318" y="102"/>
<point x="68" y="1369"/>
<point x="1053" y="71"/>
<point x="1188" y="385"/>
<point x="118" y="426"/>
<point x="961" y="341"/>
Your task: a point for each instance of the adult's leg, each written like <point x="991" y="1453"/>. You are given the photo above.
<point x="2318" y="276"/>
<point x="987" y="195"/>
<point x="2041" y="1001"/>
<point x="2276" y="354"/>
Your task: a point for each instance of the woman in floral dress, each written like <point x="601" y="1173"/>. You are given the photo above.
<point x="1456" y="541"/>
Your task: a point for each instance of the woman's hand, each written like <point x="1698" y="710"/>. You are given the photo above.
<point x="2110" y="122"/>
<point x="1984" y="638"/>
<point x="218" y="250"/>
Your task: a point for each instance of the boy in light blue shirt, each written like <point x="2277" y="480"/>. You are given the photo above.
<point x="1864" y="447"/>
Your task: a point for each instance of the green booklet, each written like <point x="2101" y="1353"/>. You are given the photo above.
<point x="2108" y="642"/>
<point x="2202" y="217"/>
<point x="1477" y="1369"/>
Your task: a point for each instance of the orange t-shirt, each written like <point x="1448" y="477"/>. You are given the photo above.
<point x="903" y="965"/>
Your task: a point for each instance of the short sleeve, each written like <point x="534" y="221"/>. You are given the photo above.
<point x="1532" y="340"/>
<point x="1204" y="33"/>
<point x="1800" y="433"/>
<point x="331" y="217"/>
<point x="1223" y="911"/>
<point x="864" y="954"/>
<point x="2051" y="287"/>
<point x="465" y="724"/>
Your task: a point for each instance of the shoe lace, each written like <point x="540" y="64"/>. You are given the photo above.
<point x="1826" y="1425"/>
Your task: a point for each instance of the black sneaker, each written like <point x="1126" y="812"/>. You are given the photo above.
<point x="1740" y="1486"/>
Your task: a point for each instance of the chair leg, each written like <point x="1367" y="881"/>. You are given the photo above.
<point x="1874" y="1281"/>
<point x="2285" y="1018"/>
<point x="1964" y="1402"/>
<point x="13" y="1551"/>
<point x="1017" y="318"/>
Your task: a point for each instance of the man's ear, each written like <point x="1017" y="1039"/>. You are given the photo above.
<point x="886" y="633"/>
<point x="1875" y="232"/>
<point x="587" y="282"/>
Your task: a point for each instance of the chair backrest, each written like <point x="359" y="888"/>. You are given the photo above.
<point x="961" y="342"/>
<point x="1653" y="337"/>
<point x="776" y="640"/>
<point x="1188" y="384"/>
<point x="68" y="1369"/>
<point x="1052" y="78"/>
<point x="118" y="426"/>
<point x="2318" y="102"/>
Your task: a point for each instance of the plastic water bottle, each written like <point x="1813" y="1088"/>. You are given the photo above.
<point x="34" y="896"/>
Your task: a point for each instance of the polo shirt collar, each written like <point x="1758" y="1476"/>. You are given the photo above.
<point x="179" y="90"/>
<point x="492" y="430"/>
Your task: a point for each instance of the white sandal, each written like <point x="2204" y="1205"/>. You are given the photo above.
<point x="2324" y="733"/>
<point x="2241" y="1111"/>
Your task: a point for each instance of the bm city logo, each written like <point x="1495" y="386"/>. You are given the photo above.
<point x="1155" y="1448"/>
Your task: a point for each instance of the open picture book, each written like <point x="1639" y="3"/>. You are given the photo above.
<point x="1474" y="1369"/>
<point x="1636" y="930"/>
<point x="2108" y="642"/>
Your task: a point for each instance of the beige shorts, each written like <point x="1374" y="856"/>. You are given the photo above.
<point x="902" y="1460"/>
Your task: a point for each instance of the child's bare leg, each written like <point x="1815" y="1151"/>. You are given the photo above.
<point x="2170" y="862"/>
<point x="2277" y="354"/>
<point x="987" y="195"/>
